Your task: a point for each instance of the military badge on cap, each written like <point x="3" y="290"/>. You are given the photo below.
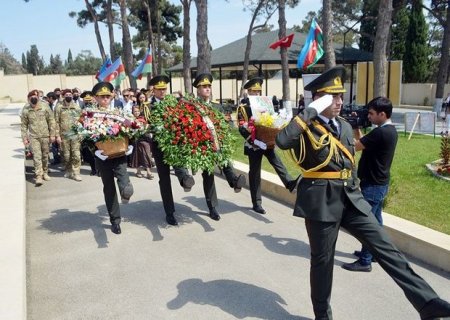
<point x="254" y="84"/>
<point x="204" y="79"/>
<point x="159" y="82"/>
<point x="329" y="81"/>
<point x="103" y="89"/>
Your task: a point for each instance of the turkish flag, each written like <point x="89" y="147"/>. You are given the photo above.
<point x="284" y="42"/>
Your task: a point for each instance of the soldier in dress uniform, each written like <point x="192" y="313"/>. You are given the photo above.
<point x="255" y="153"/>
<point x="159" y="84"/>
<point x="88" y="100"/>
<point x="328" y="197"/>
<point x="203" y="84"/>
<point x="110" y="168"/>
<point x="66" y="114"/>
<point x="38" y="130"/>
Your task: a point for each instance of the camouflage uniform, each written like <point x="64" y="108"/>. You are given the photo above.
<point x="38" y="125"/>
<point x="65" y="116"/>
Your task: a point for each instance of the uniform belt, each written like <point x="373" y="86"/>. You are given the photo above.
<point x="342" y="175"/>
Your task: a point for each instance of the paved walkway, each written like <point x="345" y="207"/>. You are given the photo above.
<point x="246" y="266"/>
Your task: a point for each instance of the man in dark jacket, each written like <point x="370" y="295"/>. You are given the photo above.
<point x="329" y="197"/>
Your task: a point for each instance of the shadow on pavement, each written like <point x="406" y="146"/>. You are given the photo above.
<point x="65" y="221"/>
<point x="236" y="298"/>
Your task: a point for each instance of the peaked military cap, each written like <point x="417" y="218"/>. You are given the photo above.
<point x="203" y="79"/>
<point x="331" y="81"/>
<point x="159" y="82"/>
<point x="86" y="96"/>
<point x="103" y="89"/>
<point x="254" y="84"/>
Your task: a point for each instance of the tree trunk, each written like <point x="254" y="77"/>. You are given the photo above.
<point x="158" y="34"/>
<point x="126" y="43"/>
<point x="379" y="50"/>
<point x="203" y="45"/>
<point x="283" y="50"/>
<point x="443" y="65"/>
<point x="151" y="43"/>
<point x="187" y="45"/>
<point x="330" y="59"/>
<point x="97" y="29"/>
<point x="110" y="23"/>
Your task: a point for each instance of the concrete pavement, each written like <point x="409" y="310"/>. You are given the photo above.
<point x="244" y="266"/>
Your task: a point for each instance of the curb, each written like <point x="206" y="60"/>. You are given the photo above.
<point x="425" y="244"/>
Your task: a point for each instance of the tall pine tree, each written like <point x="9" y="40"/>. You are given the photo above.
<point x="416" y="53"/>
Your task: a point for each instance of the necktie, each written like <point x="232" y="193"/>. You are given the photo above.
<point x="333" y="127"/>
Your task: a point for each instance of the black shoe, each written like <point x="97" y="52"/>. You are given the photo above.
<point x="434" y="309"/>
<point x="357" y="254"/>
<point x="259" y="209"/>
<point x="239" y="182"/>
<point x="170" y="219"/>
<point x="115" y="228"/>
<point x="93" y="172"/>
<point x="357" y="266"/>
<point x="213" y="214"/>
<point x="126" y="193"/>
<point x="187" y="183"/>
<point x="292" y="184"/>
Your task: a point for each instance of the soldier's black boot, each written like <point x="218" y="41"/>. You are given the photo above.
<point x="213" y="214"/>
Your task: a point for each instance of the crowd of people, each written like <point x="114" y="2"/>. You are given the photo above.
<point x="329" y="194"/>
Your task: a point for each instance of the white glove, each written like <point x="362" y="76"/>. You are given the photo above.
<point x="129" y="151"/>
<point x="100" y="155"/>
<point x="260" y="144"/>
<point x="322" y="103"/>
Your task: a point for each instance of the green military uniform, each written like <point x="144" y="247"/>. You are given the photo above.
<point x="38" y="125"/>
<point x="66" y="114"/>
<point x="329" y="197"/>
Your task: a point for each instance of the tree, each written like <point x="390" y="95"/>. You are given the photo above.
<point x="187" y="45"/>
<point x="35" y="63"/>
<point x="330" y="60"/>
<point x="24" y="62"/>
<point x="91" y="16"/>
<point x="8" y="63"/>
<point x="126" y="43"/>
<point x="379" y="50"/>
<point x="69" y="57"/>
<point x="56" y="65"/>
<point x="84" y="64"/>
<point x="440" y="9"/>
<point x="368" y="25"/>
<point x="203" y="44"/>
<point x="416" y="55"/>
<point x="400" y="23"/>
<point x="258" y="8"/>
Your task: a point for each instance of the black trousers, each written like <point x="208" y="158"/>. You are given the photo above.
<point x="109" y="169"/>
<point x="254" y="175"/>
<point x="322" y="240"/>
<point x="229" y="175"/>
<point x="165" y="185"/>
<point x="209" y="188"/>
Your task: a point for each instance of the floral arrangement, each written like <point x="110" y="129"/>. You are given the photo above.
<point x="95" y="125"/>
<point x="191" y="134"/>
<point x="444" y="167"/>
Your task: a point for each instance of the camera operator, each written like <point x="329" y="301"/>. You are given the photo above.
<point x="378" y="148"/>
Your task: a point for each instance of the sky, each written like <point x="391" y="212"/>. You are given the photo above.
<point x="46" y="23"/>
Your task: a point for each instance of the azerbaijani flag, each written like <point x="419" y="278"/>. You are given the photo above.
<point x="145" y="67"/>
<point x="105" y="65"/>
<point x="312" y="51"/>
<point x="114" y="74"/>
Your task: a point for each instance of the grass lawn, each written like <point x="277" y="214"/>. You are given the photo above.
<point x="415" y="194"/>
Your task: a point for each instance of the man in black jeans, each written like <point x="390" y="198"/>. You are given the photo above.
<point x="378" y="148"/>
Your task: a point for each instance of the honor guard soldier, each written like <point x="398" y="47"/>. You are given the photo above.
<point x="255" y="153"/>
<point x="66" y="114"/>
<point x="159" y="84"/>
<point x="38" y="130"/>
<point x="328" y="197"/>
<point x="110" y="168"/>
<point x="203" y="84"/>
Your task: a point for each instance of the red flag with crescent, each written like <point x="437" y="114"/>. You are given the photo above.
<point x="283" y="42"/>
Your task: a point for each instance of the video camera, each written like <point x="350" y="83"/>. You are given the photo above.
<point x="357" y="116"/>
